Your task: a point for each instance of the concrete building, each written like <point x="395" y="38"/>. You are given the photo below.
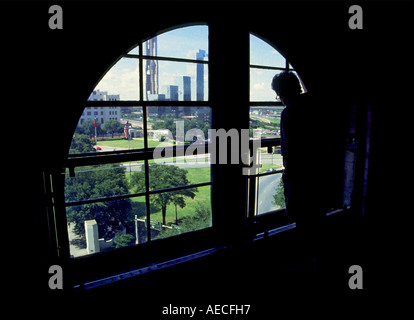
<point x="92" y="237"/>
<point x="101" y="114"/>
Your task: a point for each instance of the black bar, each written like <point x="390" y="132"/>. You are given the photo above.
<point x="147" y="200"/>
<point x="266" y="173"/>
<point x="174" y="59"/>
<point x="142" y="102"/>
<point x="267" y="67"/>
<point x="79" y="159"/>
<point x="133" y="195"/>
<point x="139" y="56"/>
<point x="266" y="104"/>
<point x="95" y="200"/>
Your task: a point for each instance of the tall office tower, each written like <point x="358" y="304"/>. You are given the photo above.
<point x="151" y="68"/>
<point x="200" y="55"/>
<point x="171" y="93"/>
<point x="184" y="87"/>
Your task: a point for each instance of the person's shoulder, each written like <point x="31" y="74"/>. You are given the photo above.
<point x="284" y="113"/>
<point x="306" y="99"/>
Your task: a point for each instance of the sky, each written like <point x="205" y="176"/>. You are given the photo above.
<point x="123" y="77"/>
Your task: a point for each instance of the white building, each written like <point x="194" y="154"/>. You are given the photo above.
<point x="98" y="95"/>
<point x="101" y="114"/>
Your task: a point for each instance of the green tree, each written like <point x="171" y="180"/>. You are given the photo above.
<point x="112" y="126"/>
<point x="200" y="220"/>
<point x="123" y="240"/>
<point x="98" y="182"/>
<point x="164" y="177"/>
<point x="81" y="144"/>
<point x="279" y="196"/>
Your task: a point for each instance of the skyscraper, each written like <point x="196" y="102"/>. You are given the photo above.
<point x="184" y="88"/>
<point x="200" y="55"/>
<point x="171" y="93"/>
<point x="151" y="68"/>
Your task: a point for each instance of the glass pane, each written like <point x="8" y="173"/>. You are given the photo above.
<point x="134" y="50"/>
<point x="168" y="126"/>
<point x="180" y="211"/>
<point x="175" y="81"/>
<point x="179" y="172"/>
<point x="103" y="129"/>
<point x="263" y="54"/>
<point x="105" y="226"/>
<point x="102" y="181"/>
<point x="270" y="193"/>
<point x="185" y="43"/>
<point x="265" y="121"/>
<point x="121" y="82"/>
<point x="261" y="84"/>
<point x="269" y="161"/>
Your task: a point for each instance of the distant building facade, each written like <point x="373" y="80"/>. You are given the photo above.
<point x="101" y="114"/>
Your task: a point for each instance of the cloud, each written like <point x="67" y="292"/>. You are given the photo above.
<point x="122" y="79"/>
<point x="259" y="86"/>
<point x="257" y="72"/>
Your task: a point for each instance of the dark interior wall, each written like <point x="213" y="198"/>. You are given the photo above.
<point x="57" y="70"/>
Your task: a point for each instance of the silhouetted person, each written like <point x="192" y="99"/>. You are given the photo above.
<point x="304" y="160"/>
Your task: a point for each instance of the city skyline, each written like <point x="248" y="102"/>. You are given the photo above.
<point x="186" y="43"/>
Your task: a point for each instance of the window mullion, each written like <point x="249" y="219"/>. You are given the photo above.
<point x="147" y="199"/>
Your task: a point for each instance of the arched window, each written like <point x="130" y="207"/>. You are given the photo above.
<point x="266" y="189"/>
<point x="140" y="175"/>
<point x="131" y="178"/>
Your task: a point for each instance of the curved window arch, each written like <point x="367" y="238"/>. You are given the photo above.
<point x="266" y="190"/>
<point x="134" y="177"/>
<point x="131" y="177"/>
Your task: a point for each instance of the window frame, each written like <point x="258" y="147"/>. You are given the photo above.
<point x="270" y="143"/>
<point x="86" y="267"/>
<point x="144" y="154"/>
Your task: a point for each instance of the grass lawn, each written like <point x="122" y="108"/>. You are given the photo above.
<point x="136" y="143"/>
<point x="203" y="196"/>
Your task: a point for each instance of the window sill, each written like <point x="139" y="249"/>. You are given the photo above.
<point x="182" y="259"/>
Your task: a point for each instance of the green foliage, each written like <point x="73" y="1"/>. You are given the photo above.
<point x="200" y="220"/>
<point x="98" y="182"/>
<point x="123" y="240"/>
<point x="88" y="128"/>
<point x="81" y="144"/>
<point x="113" y="126"/>
<point x="279" y="196"/>
<point x="164" y="177"/>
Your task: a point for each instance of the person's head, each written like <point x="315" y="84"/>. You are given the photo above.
<point x="286" y="85"/>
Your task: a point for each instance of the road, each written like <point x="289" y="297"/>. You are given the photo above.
<point x="267" y="189"/>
